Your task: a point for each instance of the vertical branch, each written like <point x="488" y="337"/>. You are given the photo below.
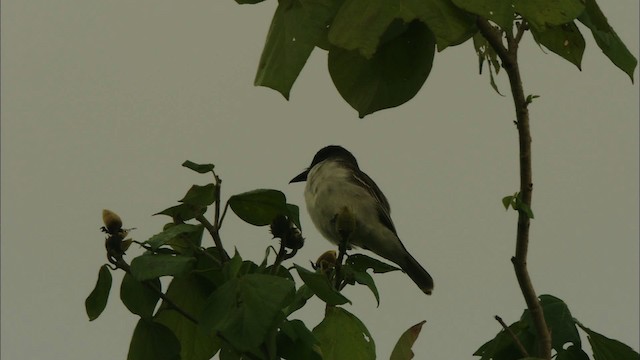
<point x="509" y="59"/>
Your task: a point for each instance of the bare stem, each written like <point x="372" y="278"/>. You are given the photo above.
<point x="215" y="235"/>
<point x="509" y="57"/>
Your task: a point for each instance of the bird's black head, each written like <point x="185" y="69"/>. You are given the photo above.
<point x="335" y="152"/>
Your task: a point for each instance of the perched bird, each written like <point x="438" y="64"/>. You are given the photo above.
<point x="335" y="182"/>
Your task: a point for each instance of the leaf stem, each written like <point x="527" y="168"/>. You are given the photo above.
<point x="523" y="351"/>
<point x="509" y="57"/>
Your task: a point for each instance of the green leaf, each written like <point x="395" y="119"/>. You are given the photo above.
<point x="139" y="298"/>
<point x="199" y="168"/>
<point x="502" y="347"/>
<point x="449" y="24"/>
<point x="249" y="1"/>
<point x="150" y="266"/>
<point x="391" y="77"/>
<point x="320" y="286"/>
<point x="558" y="319"/>
<point x="244" y="309"/>
<point x="97" y="300"/>
<point x="190" y="293"/>
<point x="572" y="353"/>
<point x="402" y="350"/>
<point x="259" y="207"/>
<point x="564" y="40"/>
<point x="200" y="196"/>
<point x="507" y="201"/>
<point x="294" y="215"/>
<point x="303" y="294"/>
<point x="608" y="349"/>
<point x="363" y="262"/>
<point x="295" y="341"/>
<point x="182" y="212"/>
<point x="296" y="28"/>
<point x="498" y="11"/>
<point x="359" y="25"/>
<point x="175" y="231"/>
<point x="540" y="13"/>
<point x="343" y="336"/>
<point x="607" y="39"/>
<point x="361" y="277"/>
<point x="153" y="341"/>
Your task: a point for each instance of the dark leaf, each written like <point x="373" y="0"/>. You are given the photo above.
<point x="200" y="196"/>
<point x="199" y="168"/>
<point x="295" y="342"/>
<point x="343" y="336"/>
<point x="498" y="11"/>
<point x="139" y="297"/>
<point x="608" y="349"/>
<point x="150" y="266"/>
<point x="391" y="77"/>
<point x="259" y="207"/>
<point x="182" y="212"/>
<point x="564" y="40"/>
<point x="320" y="286"/>
<point x="558" y="319"/>
<point x="540" y="13"/>
<point x="187" y="230"/>
<point x="363" y="262"/>
<point x="572" y="353"/>
<point x="97" y="300"/>
<point x="153" y="341"/>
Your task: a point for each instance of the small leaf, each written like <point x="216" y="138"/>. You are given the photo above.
<point x="150" y="266"/>
<point x="507" y="201"/>
<point x="303" y="294"/>
<point x="139" y="298"/>
<point x="294" y="214"/>
<point x="97" y="300"/>
<point x="608" y="349"/>
<point x="320" y="286"/>
<point x="259" y="207"/>
<point x="363" y="278"/>
<point x="199" y="168"/>
<point x="343" y="336"/>
<point x="200" y="196"/>
<point x="402" y="350"/>
<point x="153" y="341"/>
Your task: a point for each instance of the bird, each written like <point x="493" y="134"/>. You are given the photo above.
<point x="334" y="182"/>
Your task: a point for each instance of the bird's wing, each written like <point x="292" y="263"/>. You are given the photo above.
<point x="384" y="210"/>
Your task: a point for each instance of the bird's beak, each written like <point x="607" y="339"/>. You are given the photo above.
<point x="301" y="177"/>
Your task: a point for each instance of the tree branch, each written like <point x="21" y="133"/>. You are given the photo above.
<point x="509" y="59"/>
<point x="523" y="351"/>
<point x="214" y="234"/>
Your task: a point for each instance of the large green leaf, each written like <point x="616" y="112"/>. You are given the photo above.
<point x="402" y="350"/>
<point x="295" y="342"/>
<point x="244" y="309"/>
<point x="564" y="40"/>
<point x="259" y="207"/>
<point x="153" y="341"/>
<point x="150" y="266"/>
<point x="139" y="297"/>
<point x="558" y="319"/>
<point x="392" y="76"/>
<point x="320" y="285"/>
<point x="540" y="13"/>
<point x="498" y="11"/>
<point x="607" y="39"/>
<point x="296" y="28"/>
<point x="449" y="24"/>
<point x="97" y="300"/>
<point x="190" y="293"/>
<point x="343" y="336"/>
<point x="608" y="349"/>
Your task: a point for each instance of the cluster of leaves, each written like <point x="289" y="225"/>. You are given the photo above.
<point x="381" y="51"/>
<point x="518" y="341"/>
<point x="216" y="304"/>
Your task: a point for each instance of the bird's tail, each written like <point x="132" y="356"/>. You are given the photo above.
<point x="417" y="273"/>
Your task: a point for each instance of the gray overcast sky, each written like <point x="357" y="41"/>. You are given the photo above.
<point x="103" y="100"/>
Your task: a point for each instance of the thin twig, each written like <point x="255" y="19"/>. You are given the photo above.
<point x="509" y="60"/>
<point x="215" y="235"/>
<point x="523" y="351"/>
<point x="524" y="26"/>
